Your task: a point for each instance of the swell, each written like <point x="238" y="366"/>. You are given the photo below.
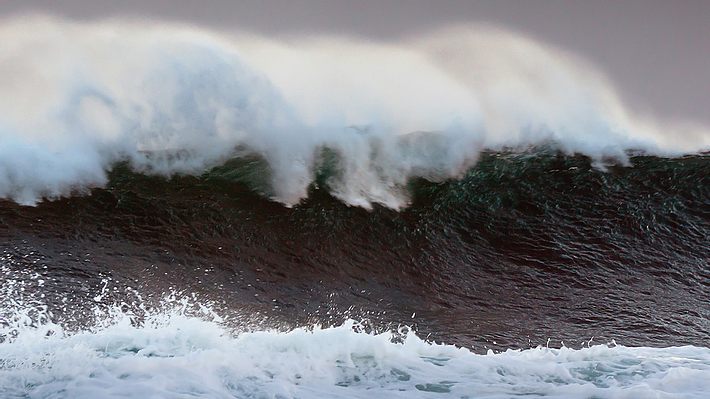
<point x="522" y="248"/>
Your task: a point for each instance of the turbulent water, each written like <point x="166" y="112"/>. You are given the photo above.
<point x="467" y="213"/>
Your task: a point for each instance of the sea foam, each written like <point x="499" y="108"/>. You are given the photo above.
<point x="76" y="98"/>
<point x="175" y="355"/>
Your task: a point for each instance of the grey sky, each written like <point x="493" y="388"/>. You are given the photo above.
<point x="656" y="52"/>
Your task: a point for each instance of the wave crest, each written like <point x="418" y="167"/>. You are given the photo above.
<point x="79" y="98"/>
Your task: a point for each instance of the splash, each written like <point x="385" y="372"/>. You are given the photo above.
<point x="79" y="97"/>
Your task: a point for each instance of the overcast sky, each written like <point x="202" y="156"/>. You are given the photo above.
<point x="656" y="51"/>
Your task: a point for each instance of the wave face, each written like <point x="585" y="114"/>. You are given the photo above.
<point x="549" y="239"/>
<point x="79" y="98"/>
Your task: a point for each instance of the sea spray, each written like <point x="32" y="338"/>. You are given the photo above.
<point x="79" y="97"/>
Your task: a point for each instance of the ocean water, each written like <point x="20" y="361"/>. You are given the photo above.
<point x="466" y="213"/>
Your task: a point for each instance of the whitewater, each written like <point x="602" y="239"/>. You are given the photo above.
<point x="172" y="354"/>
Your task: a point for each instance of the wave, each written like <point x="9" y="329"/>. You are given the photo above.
<point x="79" y="97"/>
<point x="173" y="353"/>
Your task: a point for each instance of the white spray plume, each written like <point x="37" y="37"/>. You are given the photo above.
<point x="76" y="98"/>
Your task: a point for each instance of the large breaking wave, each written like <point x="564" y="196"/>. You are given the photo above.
<point x="79" y="97"/>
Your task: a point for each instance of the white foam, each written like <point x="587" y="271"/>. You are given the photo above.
<point x="79" y="97"/>
<point x="177" y="356"/>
